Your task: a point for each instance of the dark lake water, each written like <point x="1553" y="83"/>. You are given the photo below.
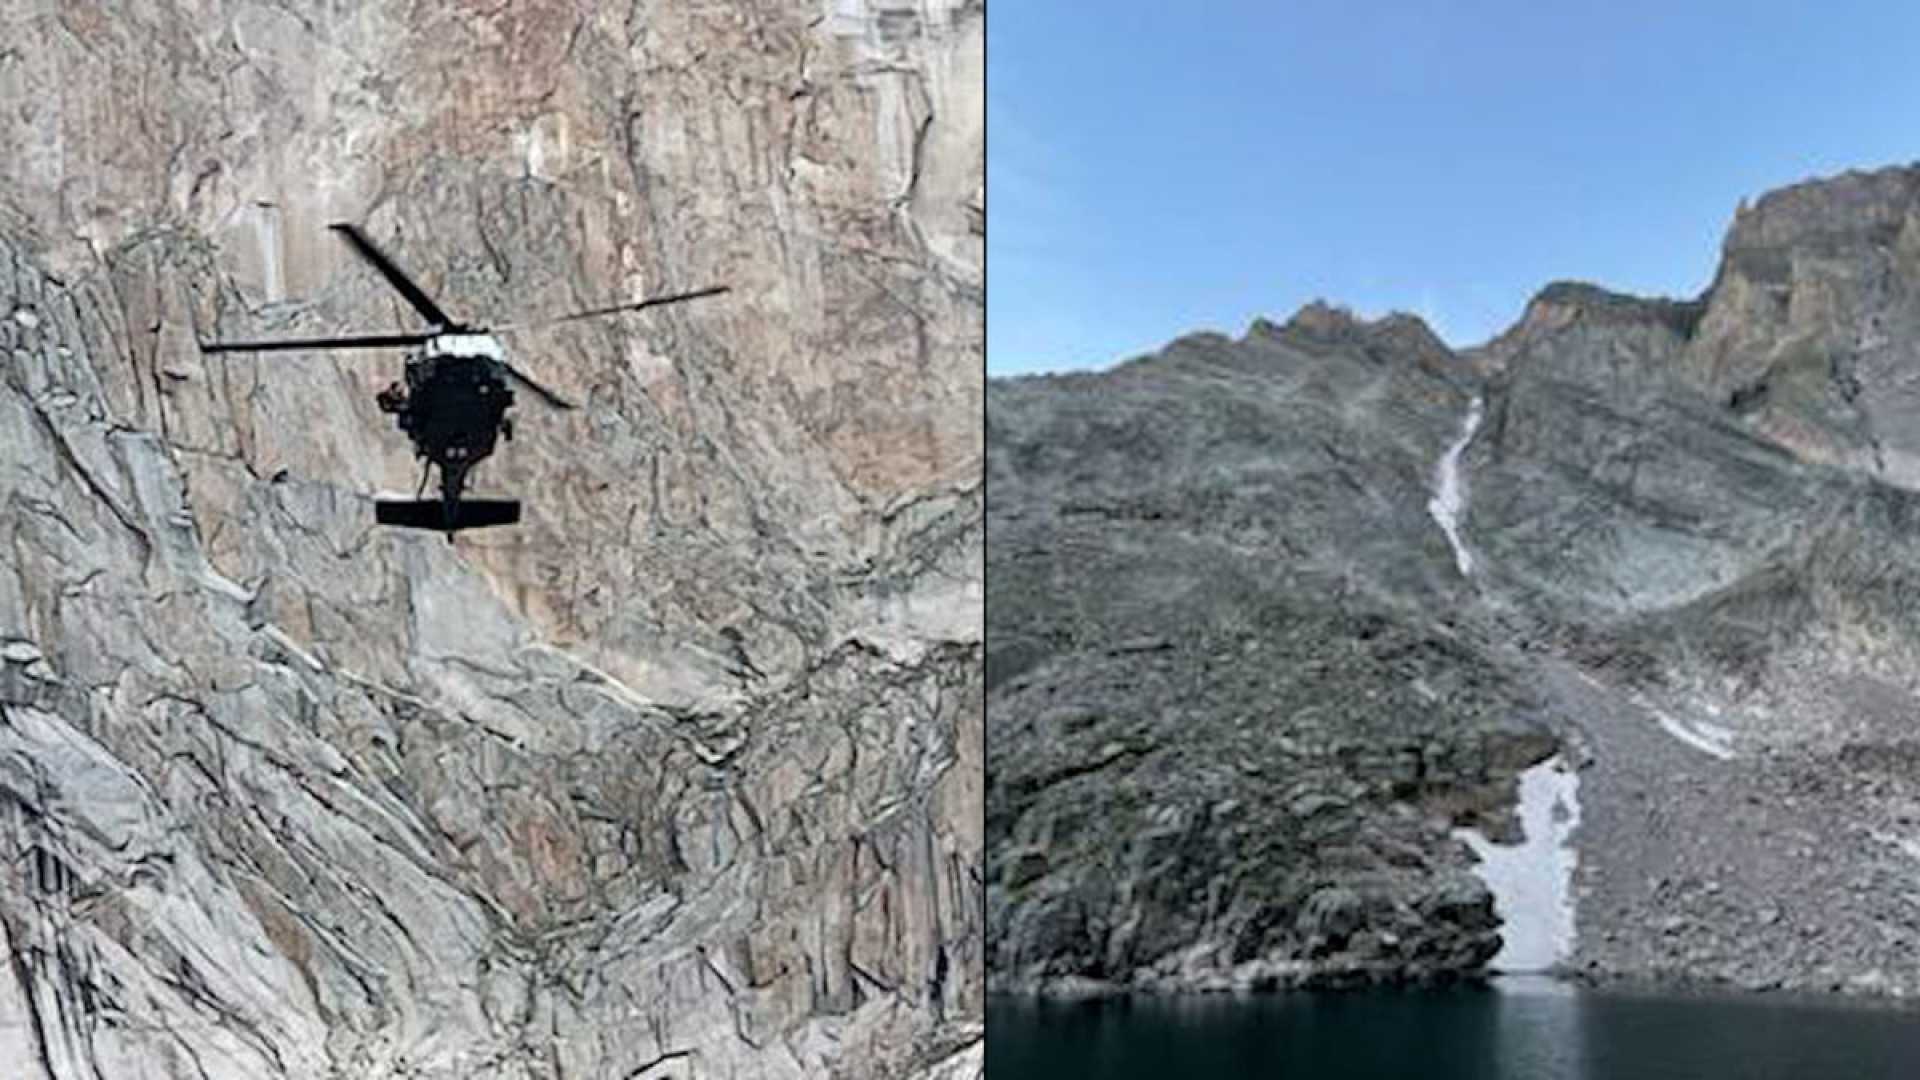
<point x="1527" y="1030"/>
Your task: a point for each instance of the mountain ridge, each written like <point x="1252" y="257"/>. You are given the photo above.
<point x="1689" y="565"/>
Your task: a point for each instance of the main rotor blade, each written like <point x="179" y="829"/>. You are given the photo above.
<point x="638" y="305"/>
<point x="551" y="398"/>
<point x="366" y="341"/>
<point x="394" y="275"/>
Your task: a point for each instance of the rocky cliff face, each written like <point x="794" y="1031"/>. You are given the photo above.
<point x="1232" y="712"/>
<point x="1690" y="537"/>
<point x="680" y="776"/>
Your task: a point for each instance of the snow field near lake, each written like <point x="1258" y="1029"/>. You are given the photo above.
<point x="1532" y="881"/>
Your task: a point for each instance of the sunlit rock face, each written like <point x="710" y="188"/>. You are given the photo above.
<point x="678" y="777"/>
<point x="1811" y="322"/>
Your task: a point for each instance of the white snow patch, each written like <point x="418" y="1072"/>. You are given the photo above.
<point x="1532" y="881"/>
<point x="1717" y="732"/>
<point x="1450" y="491"/>
<point x="1706" y="738"/>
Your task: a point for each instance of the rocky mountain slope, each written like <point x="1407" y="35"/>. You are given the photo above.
<point x="1259" y="688"/>
<point x="680" y="777"/>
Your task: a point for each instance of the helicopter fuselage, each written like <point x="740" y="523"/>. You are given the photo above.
<point x="453" y="406"/>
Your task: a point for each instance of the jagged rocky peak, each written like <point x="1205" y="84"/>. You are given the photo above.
<point x="1317" y="328"/>
<point x="1811" y="324"/>
<point x="1319" y="324"/>
<point x="1653" y="329"/>
<point x="1815" y="289"/>
<point x="1410" y="333"/>
<point x="1563" y="301"/>
<point x="1854" y="207"/>
<point x="1810" y="261"/>
<point x="1320" y="320"/>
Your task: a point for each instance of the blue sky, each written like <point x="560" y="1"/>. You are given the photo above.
<point x="1157" y="168"/>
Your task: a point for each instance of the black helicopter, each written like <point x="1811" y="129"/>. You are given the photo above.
<point x="454" y="402"/>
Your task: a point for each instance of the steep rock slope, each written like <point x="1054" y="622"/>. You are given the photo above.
<point x="1231" y="715"/>
<point x="679" y="777"/>
<point x="1690" y="539"/>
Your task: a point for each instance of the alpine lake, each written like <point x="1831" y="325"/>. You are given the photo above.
<point x="1516" y="1028"/>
